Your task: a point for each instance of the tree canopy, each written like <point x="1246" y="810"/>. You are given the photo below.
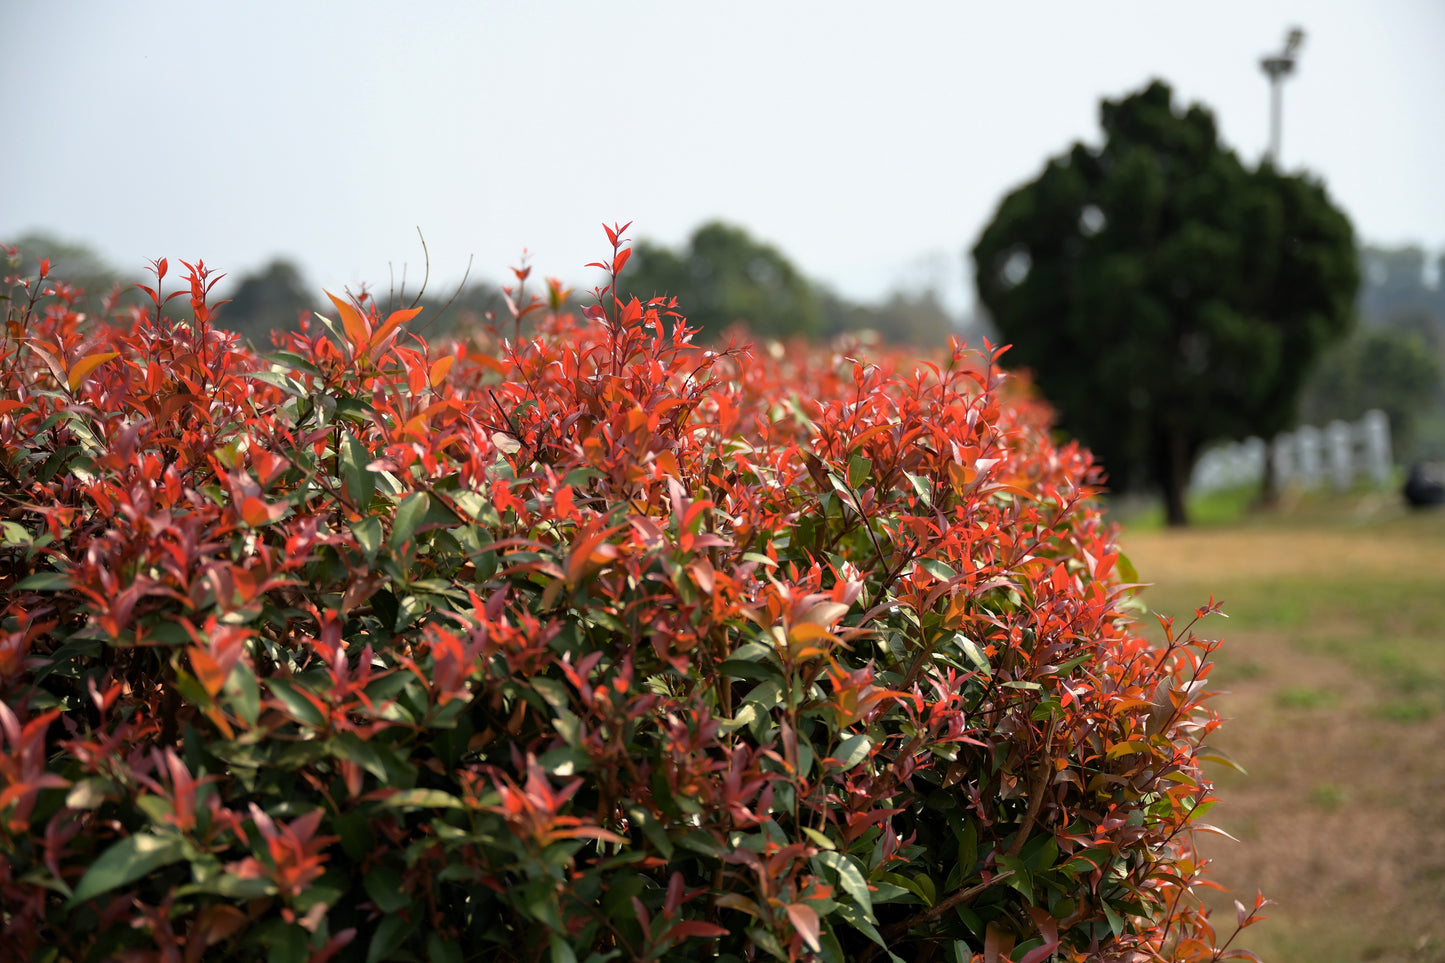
<point x="724" y="276"/>
<point x="1163" y="294"/>
<point x="271" y="299"/>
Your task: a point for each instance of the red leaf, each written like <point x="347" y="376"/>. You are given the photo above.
<point x="805" y="921"/>
<point x="689" y="928"/>
<point x="632" y="313"/>
<point x="997" y="943"/>
<point x="621" y="259"/>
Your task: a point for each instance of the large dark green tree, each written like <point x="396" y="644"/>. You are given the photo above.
<point x="1164" y="294"/>
<point x="724" y="276"/>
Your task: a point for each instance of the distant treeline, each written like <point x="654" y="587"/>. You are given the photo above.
<point x="722" y="277"/>
<point x="1393" y="361"/>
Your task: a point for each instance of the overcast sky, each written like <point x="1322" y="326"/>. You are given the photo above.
<point x="870" y="141"/>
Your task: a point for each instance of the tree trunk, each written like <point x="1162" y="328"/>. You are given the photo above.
<point x="1174" y="457"/>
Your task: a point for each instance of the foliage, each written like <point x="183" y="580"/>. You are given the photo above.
<point x="1164" y="295"/>
<point x="588" y="645"/>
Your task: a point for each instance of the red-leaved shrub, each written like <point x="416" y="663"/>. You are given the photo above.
<point x="590" y="645"/>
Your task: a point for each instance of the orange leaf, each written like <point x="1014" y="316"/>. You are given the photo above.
<point x="808" y="631"/>
<point x="352" y="320"/>
<point x="486" y="361"/>
<point x="208" y="670"/>
<point x="254" y="512"/>
<point x="393" y="321"/>
<point x="439" y="369"/>
<point x="86" y="365"/>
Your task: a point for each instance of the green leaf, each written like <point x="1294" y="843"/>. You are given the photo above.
<point x="360" y="482"/>
<point x="288" y="945"/>
<point x="408" y="516"/>
<point x="757" y="671"/>
<point x="243" y="695"/>
<point x="383" y="885"/>
<point x="288" y="359"/>
<point x="652" y="829"/>
<point x="355" y="410"/>
<point x="851" y="878"/>
<point x="390" y="935"/>
<point x="1213" y="754"/>
<point x="767" y="695"/>
<point x="125" y="862"/>
<point x="561" y="951"/>
<point x="44" y="582"/>
<point x="442" y="951"/>
<point x="15" y="535"/>
<point x="821" y="839"/>
<point x="423" y="799"/>
<point x="854" y="917"/>
<point x="300" y="708"/>
<point x="289" y="385"/>
<point x="921" y="487"/>
<point x="853" y="750"/>
<point x="859" y="469"/>
<point x="1116" y="923"/>
<point x="352" y="748"/>
<point x="975" y="654"/>
<point x="1021" y="880"/>
<point x="939" y="570"/>
<point x="900" y="881"/>
<point x="968" y="849"/>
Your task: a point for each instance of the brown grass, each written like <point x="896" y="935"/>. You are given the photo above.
<point x="1334" y="662"/>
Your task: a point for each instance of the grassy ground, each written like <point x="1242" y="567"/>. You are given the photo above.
<point x="1334" y="671"/>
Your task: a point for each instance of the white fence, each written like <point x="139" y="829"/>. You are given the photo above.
<point x="1340" y="454"/>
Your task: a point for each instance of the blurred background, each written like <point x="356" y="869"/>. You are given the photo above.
<point x="1195" y="226"/>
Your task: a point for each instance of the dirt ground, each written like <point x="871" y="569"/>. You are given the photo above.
<point x="1341" y="818"/>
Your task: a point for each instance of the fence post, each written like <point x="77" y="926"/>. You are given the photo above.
<point x="1374" y="431"/>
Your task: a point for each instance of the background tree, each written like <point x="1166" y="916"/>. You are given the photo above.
<point x="725" y="276"/>
<point x="1392" y="370"/>
<point x="1395" y="286"/>
<point x="271" y="299"/>
<point x="80" y="266"/>
<point x="1163" y="294"/>
<point x="1396" y="362"/>
<point x="903" y="318"/>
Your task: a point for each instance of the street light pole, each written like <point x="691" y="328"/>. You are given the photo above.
<point x="1276" y="68"/>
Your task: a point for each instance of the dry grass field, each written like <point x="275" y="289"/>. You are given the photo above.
<point x="1333" y="676"/>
